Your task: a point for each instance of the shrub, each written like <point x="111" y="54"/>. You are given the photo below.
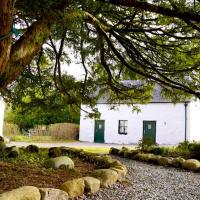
<point x="32" y="148"/>
<point x="183" y="146"/>
<point x="146" y="144"/>
<point x="157" y="150"/>
<point x="194" y="149"/>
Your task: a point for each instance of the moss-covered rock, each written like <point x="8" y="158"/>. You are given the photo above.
<point x="2" y="146"/>
<point x="53" y="194"/>
<point x="59" y="162"/>
<point x="114" y="151"/>
<point x="22" y="193"/>
<point x="107" y="177"/>
<point x="12" y="152"/>
<point x="178" y="162"/>
<point x="154" y="159"/>
<point x="32" y="149"/>
<point x="144" y="157"/>
<point x="191" y="164"/>
<point x="74" y="187"/>
<point x="121" y="172"/>
<point x="92" y="184"/>
<point x="1" y="139"/>
<point x="54" y="152"/>
<point x="165" y="161"/>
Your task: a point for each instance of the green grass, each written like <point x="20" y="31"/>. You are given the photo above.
<point x="23" y="138"/>
<point x="102" y="150"/>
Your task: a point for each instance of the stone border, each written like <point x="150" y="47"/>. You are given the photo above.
<point x="113" y="171"/>
<point x="178" y="162"/>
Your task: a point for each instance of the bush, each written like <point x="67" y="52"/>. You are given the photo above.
<point x="157" y="150"/>
<point x="32" y="148"/>
<point x="183" y="146"/>
<point x="146" y="144"/>
<point x="194" y="149"/>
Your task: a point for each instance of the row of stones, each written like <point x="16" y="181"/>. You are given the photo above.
<point x="113" y="171"/>
<point x="190" y="164"/>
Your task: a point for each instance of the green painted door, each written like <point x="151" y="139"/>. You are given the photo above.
<point x="99" y="131"/>
<point x="149" y="130"/>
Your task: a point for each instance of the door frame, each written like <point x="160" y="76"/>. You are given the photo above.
<point x="155" y="128"/>
<point x="103" y="130"/>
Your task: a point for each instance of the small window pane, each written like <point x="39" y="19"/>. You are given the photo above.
<point x="123" y="126"/>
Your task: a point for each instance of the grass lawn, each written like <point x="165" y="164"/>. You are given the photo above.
<point x="24" y="138"/>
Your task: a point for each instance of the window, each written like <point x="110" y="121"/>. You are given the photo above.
<point x="123" y="125"/>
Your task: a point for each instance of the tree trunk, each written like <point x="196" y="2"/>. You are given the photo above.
<point x="6" y="20"/>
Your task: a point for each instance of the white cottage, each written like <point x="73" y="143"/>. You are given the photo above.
<point x="162" y="120"/>
<point x="1" y="115"/>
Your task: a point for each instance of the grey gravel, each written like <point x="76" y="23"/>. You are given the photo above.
<point x="151" y="182"/>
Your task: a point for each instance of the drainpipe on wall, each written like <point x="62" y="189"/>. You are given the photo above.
<point x="186" y="104"/>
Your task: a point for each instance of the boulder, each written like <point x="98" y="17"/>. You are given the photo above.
<point x="154" y="159"/>
<point x="32" y="148"/>
<point x="92" y="184"/>
<point x="120" y="172"/>
<point x="59" y="162"/>
<point x="107" y="177"/>
<point x="53" y="194"/>
<point x="127" y="154"/>
<point x="74" y="187"/>
<point x="144" y="157"/>
<point x="1" y="139"/>
<point x="114" y="151"/>
<point x="191" y="164"/>
<point x="12" y="152"/>
<point x="22" y="193"/>
<point x="178" y="162"/>
<point x="54" y="152"/>
<point x="164" y="161"/>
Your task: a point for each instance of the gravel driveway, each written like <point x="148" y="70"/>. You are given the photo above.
<point x="145" y="181"/>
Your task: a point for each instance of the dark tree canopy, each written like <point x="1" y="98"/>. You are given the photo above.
<point x="114" y="40"/>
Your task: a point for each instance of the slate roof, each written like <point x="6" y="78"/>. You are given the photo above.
<point x="156" y="97"/>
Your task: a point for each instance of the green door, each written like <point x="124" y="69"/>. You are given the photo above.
<point x="99" y="131"/>
<point x="149" y="130"/>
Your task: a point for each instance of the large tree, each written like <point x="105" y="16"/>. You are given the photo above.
<point x="153" y="41"/>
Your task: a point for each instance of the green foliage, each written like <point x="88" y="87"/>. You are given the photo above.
<point x="184" y="149"/>
<point x="31" y="104"/>
<point x="183" y="146"/>
<point x="145" y="144"/>
<point x="194" y="149"/>
<point x="157" y="150"/>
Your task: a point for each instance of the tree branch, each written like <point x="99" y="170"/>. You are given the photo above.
<point x="183" y="15"/>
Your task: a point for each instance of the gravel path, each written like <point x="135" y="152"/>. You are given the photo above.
<point x="151" y="182"/>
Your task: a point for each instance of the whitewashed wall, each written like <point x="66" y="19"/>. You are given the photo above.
<point x="1" y="116"/>
<point x="194" y="119"/>
<point x="170" y="123"/>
